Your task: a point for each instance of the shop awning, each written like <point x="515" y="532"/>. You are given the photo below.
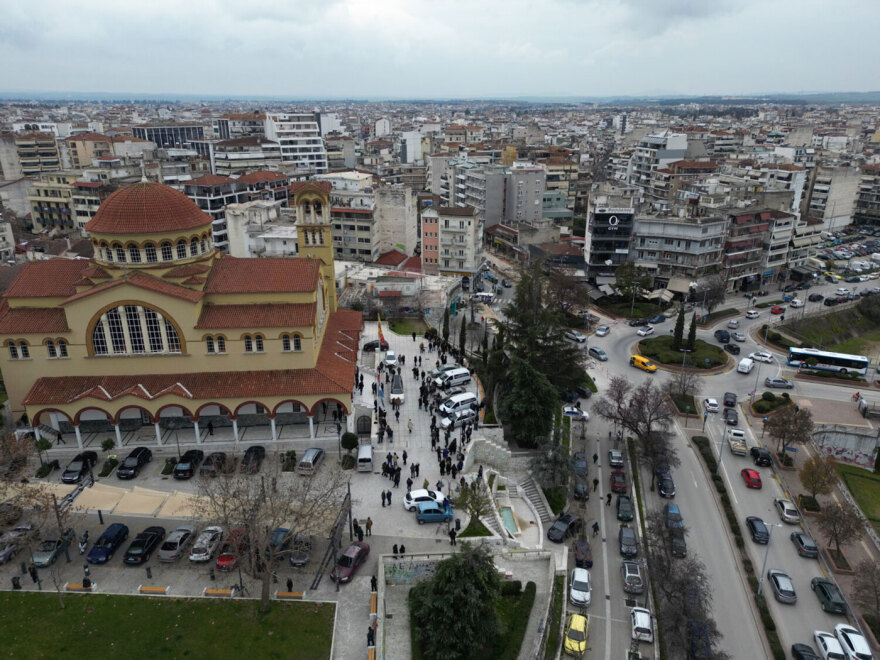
<point x="679" y="285"/>
<point x="662" y="294"/>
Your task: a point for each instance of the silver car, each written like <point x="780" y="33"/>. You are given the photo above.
<point x="206" y="544"/>
<point x="7" y="551"/>
<point x="176" y="543"/>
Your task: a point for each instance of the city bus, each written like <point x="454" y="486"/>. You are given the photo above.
<point x="812" y="358"/>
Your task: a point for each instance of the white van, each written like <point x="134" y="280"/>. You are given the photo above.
<point x="746" y="365"/>
<point x="365" y="458"/>
<point x="453" y="378"/>
<point x="458" y="402"/>
<point x="486" y="297"/>
<point x="827" y="235"/>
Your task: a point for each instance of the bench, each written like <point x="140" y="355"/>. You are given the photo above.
<point x="371" y="653"/>
<point x="71" y="586"/>
<point x="374" y="606"/>
<point x="290" y="595"/>
<point x="147" y="590"/>
<point x="218" y="593"/>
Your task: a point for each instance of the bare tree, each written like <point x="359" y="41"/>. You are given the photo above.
<point x="867" y="589"/>
<point x="790" y="425"/>
<point x="686" y="383"/>
<point x="271" y="504"/>
<point x="818" y="475"/>
<point x="840" y="524"/>
<point x="658" y="451"/>
<point x="551" y="465"/>
<point x="712" y="292"/>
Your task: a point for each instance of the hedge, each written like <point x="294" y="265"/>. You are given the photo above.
<point x="720" y="314"/>
<point x="108" y="467"/>
<point x="660" y="350"/>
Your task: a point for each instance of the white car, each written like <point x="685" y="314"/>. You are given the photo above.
<point x="647" y="330"/>
<point x="602" y="330"/>
<point x="733" y="324"/>
<point x="580" y="589"/>
<point x="787" y="511"/>
<point x="710" y="405"/>
<point x="642" y="625"/>
<point x="854" y="645"/>
<point x="574" y="335"/>
<point x="412" y="499"/>
<point x="738" y="336"/>
<point x="752" y="314"/>
<point x="829" y="647"/>
<point x="797" y="302"/>
<point x="842" y="291"/>
<point x="390" y="359"/>
<point x="761" y="356"/>
<point x="575" y="413"/>
<point x="206" y="544"/>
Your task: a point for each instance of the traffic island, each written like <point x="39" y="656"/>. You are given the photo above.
<point x="705" y="358"/>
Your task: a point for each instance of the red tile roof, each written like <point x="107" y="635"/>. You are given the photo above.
<point x="262" y="175"/>
<point x="413" y="264"/>
<point x="265" y="315"/>
<point x="195" y="280"/>
<point x="209" y="180"/>
<point x="187" y="270"/>
<point x="391" y="258"/>
<point x="147" y="208"/>
<point x="89" y="137"/>
<point x="303" y="186"/>
<point x="95" y="272"/>
<point x="32" y="320"/>
<point x="142" y="281"/>
<point x="53" y="278"/>
<point x="274" y="275"/>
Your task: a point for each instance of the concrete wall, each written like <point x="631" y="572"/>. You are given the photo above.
<point x="848" y="444"/>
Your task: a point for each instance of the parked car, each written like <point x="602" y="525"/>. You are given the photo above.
<point x="642" y="625"/>
<point x="583" y="553"/>
<point x="575" y="336"/>
<point x="176" y="543"/>
<point x="615" y="458"/>
<point x="140" y="549"/>
<point x="672" y="514"/>
<point x="783" y="587"/>
<point x="829" y="647"/>
<point x="579" y="464"/>
<point x="758" y="530"/>
<point x="8" y="550"/>
<point x="761" y="356"/>
<point x="751" y="478"/>
<point x="349" y="561"/>
<point x="279" y="542"/>
<point x="574" y="641"/>
<point x="186" y="466"/>
<point x="564" y="526"/>
<point x="433" y="512"/>
<point x="598" y="353"/>
<point x="579" y="588"/>
<point x="50" y="548"/>
<point x="787" y="511"/>
<point x="805" y="545"/>
<point x="635" y="323"/>
<point x="774" y="381"/>
<point x="575" y="413"/>
<point x="854" y="645"/>
<point x="733" y="349"/>
<point x="602" y="330"/>
<point x="760" y="456"/>
<point x="677" y="544"/>
<point x="136" y="459"/>
<point x="631" y="576"/>
<point x="108" y="543"/>
<point x="413" y="498"/>
<point x="624" y="508"/>
<point x="803" y="652"/>
<point x="657" y="318"/>
<point x="722" y="335"/>
<point x="459" y="417"/>
<point x="253" y="459"/>
<point x="506" y="283"/>
<point x="215" y="462"/>
<point x="710" y="405"/>
<point x="233" y="548"/>
<point x="206" y="544"/>
<point x="829" y="595"/>
<point x="733" y="324"/>
<point x="375" y="345"/>
<point x="300" y="549"/>
<point x="629" y="545"/>
<point x="618" y="482"/>
<point x="665" y="484"/>
<point x="79" y="467"/>
<point x="647" y="330"/>
<point x="816" y="297"/>
<point x="581" y="491"/>
<point x="390" y="359"/>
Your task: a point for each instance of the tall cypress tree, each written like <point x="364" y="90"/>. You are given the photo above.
<point x="446" y="324"/>
<point x="678" y="334"/>
<point x="692" y="333"/>
<point x="462" y="335"/>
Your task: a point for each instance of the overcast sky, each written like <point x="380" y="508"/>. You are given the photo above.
<point x="440" y="48"/>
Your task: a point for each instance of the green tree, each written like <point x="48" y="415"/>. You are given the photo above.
<point x="453" y="613"/>
<point x="712" y="291"/>
<point x="818" y="475"/>
<point x="485" y="344"/>
<point x="446" y="324"/>
<point x="692" y="333"/>
<point x="462" y="335"/>
<point x="527" y="404"/>
<point x="631" y="280"/>
<point x="349" y="441"/>
<point x="42" y="445"/>
<point x="475" y="502"/>
<point x="678" y="333"/>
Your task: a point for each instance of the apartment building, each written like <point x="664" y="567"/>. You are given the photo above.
<point x="655" y="152"/>
<point x="261" y="229"/>
<point x="608" y="240"/>
<point x="7" y="242"/>
<point x="10" y="165"/>
<point x="167" y="135"/>
<point x="464" y="134"/>
<point x="411" y="147"/>
<point x="777" y="243"/>
<point x="867" y="206"/>
<point x="524" y="193"/>
<point x="50" y="200"/>
<point x="744" y="253"/>
<point x="452" y="240"/>
<point x="212" y="194"/>
<point x="85" y="200"/>
<point x="245" y="154"/>
<point x="561" y="176"/>
<point x="666" y="182"/>
<point x="341" y="154"/>
<point x="806" y="239"/>
<point x="299" y="137"/>
<point x="238" y="125"/>
<point x="832" y="195"/>
<point x="85" y="147"/>
<point x="37" y="153"/>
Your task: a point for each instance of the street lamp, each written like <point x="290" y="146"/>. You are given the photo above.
<point x="766" y="552"/>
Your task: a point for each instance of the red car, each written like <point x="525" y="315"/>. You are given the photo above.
<point x="348" y="563"/>
<point x="751" y="478"/>
<point x="776" y="309"/>
<point x="236" y="545"/>
<point x="618" y="482"/>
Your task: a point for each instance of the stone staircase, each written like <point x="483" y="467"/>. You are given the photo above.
<point x="532" y="492"/>
<point x="492" y="523"/>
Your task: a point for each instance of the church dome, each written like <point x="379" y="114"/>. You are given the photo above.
<point x="147" y="208"/>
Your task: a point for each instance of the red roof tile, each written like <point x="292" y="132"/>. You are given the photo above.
<point x="209" y="180"/>
<point x="88" y="137"/>
<point x="303" y="186"/>
<point x="142" y="281"/>
<point x="391" y="258"/>
<point x="53" y="278"/>
<point x="95" y="272"/>
<point x="187" y="270"/>
<point x="262" y="175"/>
<point x="147" y="208"/>
<point x="413" y="264"/>
<point x="274" y="275"/>
<point x="33" y="320"/>
<point x="195" y="280"/>
<point x="281" y="315"/>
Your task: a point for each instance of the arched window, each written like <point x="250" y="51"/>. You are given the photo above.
<point x="258" y="342"/>
<point x="221" y="345"/>
<point x="150" y="250"/>
<point x="134" y="253"/>
<point x="23" y="349"/>
<point x="209" y="344"/>
<point x="105" y="252"/>
<point x="317" y="208"/>
<point x="13" y="351"/>
<point x="181" y="249"/>
<point x="194" y="247"/>
<point x="50" y="348"/>
<point x="167" y="254"/>
<point x="120" y="253"/>
<point x="62" y="348"/>
<point x="285" y="342"/>
<point x="132" y="330"/>
<point x="204" y="246"/>
<point x="248" y="344"/>
<point x="297" y="343"/>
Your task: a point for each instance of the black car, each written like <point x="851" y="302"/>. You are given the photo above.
<point x="758" y="530"/>
<point x="730" y="416"/>
<point x="657" y="318"/>
<point x="803" y="286"/>
<point x="375" y="345"/>
<point x="677" y="544"/>
<point x="629" y="545"/>
<point x="830" y="302"/>
<point x="722" y="335"/>
<point x="733" y="349"/>
<point x="79" y="467"/>
<point x="108" y="543"/>
<point x="803" y="652"/>
<point x="816" y="297"/>
<point x="566" y="525"/>
<point x="760" y="456"/>
<point x="788" y="288"/>
<point x="253" y="458"/>
<point x="214" y="463"/>
<point x="136" y="459"/>
<point x="186" y="466"/>
<point x="583" y="392"/>
<point x="665" y="484"/>
<point x="581" y="491"/>
<point x="140" y="549"/>
<point x="729" y="399"/>
<point x="638" y="322"/>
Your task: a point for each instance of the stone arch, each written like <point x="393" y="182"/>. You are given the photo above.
<point x="79" y="414"/>
<point x="117" y="419"/>
<point x="302" y="406"/>
<point x="96" y="317"/>
<point x="186" y="410"/>
<point x="328" y="400"/>
<point x="35" y="418"/>
<point x="269" y="412"/>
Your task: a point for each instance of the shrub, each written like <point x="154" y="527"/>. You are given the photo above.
<point x="785" y="459"/>
<point x="43" y="470"/>
<point x="511" y="588"/>
<point x="785" y="395"/>
<point x="766" y="618"/>
<point x="348" y="462"/>
<point x="808" y="503"/>
<point x="762" y="407"/>
<point x="768" y="396"/>
<point x="108" y="467"/>
<point x="556" y="499"/>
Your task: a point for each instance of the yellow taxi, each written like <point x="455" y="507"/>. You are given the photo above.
<point x="577" y="628"/>
<point x="643" y="363"/>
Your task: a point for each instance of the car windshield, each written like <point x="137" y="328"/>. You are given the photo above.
<point x="130" y="462"/>
<point x="169" y="545"/>
<point x="199" y="550"/>
<point x="577" y="585"/>
<point x="136" y="550"/>
<point x="76" y="466"/>
<point x="576" y="635"/>
<point x="346" y="562"/>
<point x="47" y="546"/>
<point x="183" y="466"/>
<point x="103" y="543"/>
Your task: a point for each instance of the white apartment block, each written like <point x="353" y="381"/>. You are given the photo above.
<point x="299" y="138"/>
<point x="833" y="196"/>
<point x="411" y="147"/>
<point x="653" y="152"/>
<point x="452" y="240"/>
<point x="524" y="193"/>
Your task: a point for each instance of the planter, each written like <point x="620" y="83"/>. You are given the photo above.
<point x="804" y="501"/>
<point x="837" y="381"/>
<point x="788" y="468"/>
<point x="844" y="569"/>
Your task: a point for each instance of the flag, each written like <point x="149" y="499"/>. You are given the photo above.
<point x="381" y="338"/>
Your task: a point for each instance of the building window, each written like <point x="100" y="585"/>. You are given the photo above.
<point x="209" y="344"/>
<point x="285" y="342"/>
<point x="105" y="250"/>
<point x="167" y="254"/>
<point x="50" y="348"/>
<point x="13" y="351"/>
<point x="248" y="344"/>
<point x="150" y="250"/>
<point x="99" y="340"/>
<point x="221" y="345"/>
<point x="173" y="339"/>
<point x="194" y="247"/>
<point x="132" y="329"/>
<point x="135" y="332"/>
<point x="181" y="249"/>
<point x="117" y="335"/>
<point x="120" y="253"/>
<point x="134" y="253"/>
<point x="23" y="350"/>
<point x="62" y="348"/>
<point x="204" y="246"/>
<point x="258" y="343"/>
<point x="297" y="343"/>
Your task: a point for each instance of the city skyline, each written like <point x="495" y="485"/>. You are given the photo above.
<point x="422" y="50"/>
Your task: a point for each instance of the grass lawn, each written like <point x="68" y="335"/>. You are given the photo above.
<point x="93" y="625"/>
<point x="685" y="404"/>
<point x="408" y="326"/>
<point x="641" y="309"/>
<point x="865" y="489"/>
<point x="556" y="498"/>
<point x="474" y="528"/>
<point x="660" y="350"/>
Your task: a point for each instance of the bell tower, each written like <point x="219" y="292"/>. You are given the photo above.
<point x="311" y="199"/>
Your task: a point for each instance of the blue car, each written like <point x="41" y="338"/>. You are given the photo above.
<point x="113" y="537"/>
<point x="433" y="512"/>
